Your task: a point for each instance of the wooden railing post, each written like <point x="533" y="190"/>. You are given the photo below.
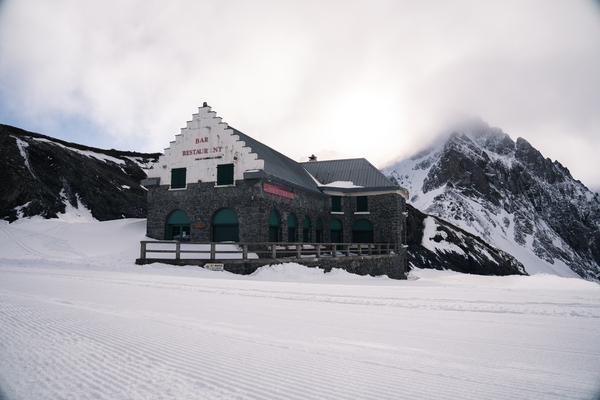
<point x="212" y="251"/>
<point x="143" y="251"/>
<point x="245" y="252"/>
<point x="318" y="250"/>
<point x="298" y="250"/>
<point x="177" y="250"/>
<point x="274" y="251"/>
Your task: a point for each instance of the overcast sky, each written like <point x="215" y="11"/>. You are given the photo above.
<point x="374" y="79"/>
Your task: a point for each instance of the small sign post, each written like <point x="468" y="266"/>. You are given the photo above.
<point x="214" y="266"/>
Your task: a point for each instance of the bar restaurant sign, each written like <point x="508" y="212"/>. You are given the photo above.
<point x="277" y="191"/>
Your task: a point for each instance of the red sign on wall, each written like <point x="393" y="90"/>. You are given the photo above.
<point x="277" y="191"/>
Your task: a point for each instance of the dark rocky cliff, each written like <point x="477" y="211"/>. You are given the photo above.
<point x="39" y="175"/>
<point x="448" y="247"/>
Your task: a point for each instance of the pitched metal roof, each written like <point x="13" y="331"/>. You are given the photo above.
<point x="279" y="166"/>
<point x="356" y="170"/>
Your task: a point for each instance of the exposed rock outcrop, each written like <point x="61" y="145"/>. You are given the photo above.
<point x="40" y="175"/>
<point x="435" y="243"/>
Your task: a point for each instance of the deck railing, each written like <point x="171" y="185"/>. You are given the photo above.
<point x="245" y="251"/>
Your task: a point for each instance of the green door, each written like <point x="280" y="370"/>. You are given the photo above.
<point x="291" y="229"/>
<point x="273" y="227"/>
<point x="336" y="231"/>
<point x="319" y="231"/>
<point x="225" y="226"/>
<point x="362" y="231"/>
<point x="305" y="229"/>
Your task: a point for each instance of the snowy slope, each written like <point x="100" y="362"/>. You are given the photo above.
<point x="509" y="195"/>
<point x="78" y="319"/>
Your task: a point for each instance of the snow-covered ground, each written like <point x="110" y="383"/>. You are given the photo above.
<point x="79" y="320"/>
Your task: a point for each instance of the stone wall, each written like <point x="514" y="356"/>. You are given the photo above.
<point x="385" y="212"/>
<point x="253" y="206"/>
<point x="394" y="266"/>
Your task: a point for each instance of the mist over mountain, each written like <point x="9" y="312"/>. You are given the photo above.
<point x="41" y="175"/>
<point x="507" y="193"/>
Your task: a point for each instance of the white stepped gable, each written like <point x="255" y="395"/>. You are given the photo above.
<point x="205" y="143"/>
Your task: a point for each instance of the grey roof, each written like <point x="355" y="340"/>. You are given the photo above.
<point x="280" y="167"/>
<point x="356" y="170"/>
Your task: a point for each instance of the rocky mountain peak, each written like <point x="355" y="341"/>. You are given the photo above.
<point x="510" y="195"/>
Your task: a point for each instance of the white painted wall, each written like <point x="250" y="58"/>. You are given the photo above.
<point x="205" y="143"/>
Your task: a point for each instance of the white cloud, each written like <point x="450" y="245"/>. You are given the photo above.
<point x="367" y="78"/>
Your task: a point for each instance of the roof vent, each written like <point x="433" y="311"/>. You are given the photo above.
<point x="312" y="158"/>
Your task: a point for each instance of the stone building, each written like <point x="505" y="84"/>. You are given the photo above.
<point x="215" y="184"/>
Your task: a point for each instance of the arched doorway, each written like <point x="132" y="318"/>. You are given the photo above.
<point x="291" y="229"/>
<point x="273" y="227"/>
<point x="225" y="226"/>
<point x="362" y="231"/>
<point x="305" y="229"/>
<point x="336" y="231"/>
<point x="178" y="226"/>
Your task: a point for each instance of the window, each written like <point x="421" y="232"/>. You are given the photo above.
<point x="362" y="231"/>
<point x="177" y="178"/>
<point x="273" y="227"/>
<point x="362" y="204"/>
<point x="336" y="203"/>
<point x="336" y="231"/>
<point x="305" y="229"/>
<point x="225" y="174"/>
<point x="291" y="229"/>
<point x="225" y="226"/>
<point x="178" y="226"/>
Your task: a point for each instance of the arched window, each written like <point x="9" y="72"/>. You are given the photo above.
<point x="319" y="238"/>
<point x="178" y="226"/>
<point x="225" y="226"/>
<point x="291" y="229"/>
<point x="336" y="231"/>
<point x="305" y="229"/>
<point x="362" y="231"/>
<point x="273" y="227"/>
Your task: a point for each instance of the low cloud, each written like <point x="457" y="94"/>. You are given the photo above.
<point x="376" y="79"/>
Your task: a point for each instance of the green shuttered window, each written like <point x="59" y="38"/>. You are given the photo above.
<point x="336" y="203"/>
<point x="177" y="178"/>
<point x="362" y="204"/>
<point x="225" y="174"/>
